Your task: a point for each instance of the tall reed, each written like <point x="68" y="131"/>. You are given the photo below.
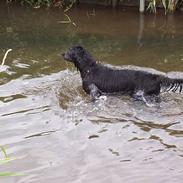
<point x="169" y="5"/>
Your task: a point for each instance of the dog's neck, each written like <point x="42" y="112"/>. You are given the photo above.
<point x="85" y="66"/>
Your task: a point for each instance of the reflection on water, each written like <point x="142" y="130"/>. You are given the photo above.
<point x="50" y="125"/>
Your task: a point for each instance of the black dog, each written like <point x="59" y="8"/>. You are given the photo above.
<point x="98" y="79"/>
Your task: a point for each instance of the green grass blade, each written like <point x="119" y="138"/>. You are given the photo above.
<point x="10" y="174"/>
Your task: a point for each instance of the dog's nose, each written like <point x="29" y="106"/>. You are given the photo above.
<point x="63" y="54"/>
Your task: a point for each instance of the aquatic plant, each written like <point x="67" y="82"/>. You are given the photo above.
<point x="168" y="5"/>
<point x="5" y="160"/>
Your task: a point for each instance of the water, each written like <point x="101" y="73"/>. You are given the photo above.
<point x="48" y="123"/>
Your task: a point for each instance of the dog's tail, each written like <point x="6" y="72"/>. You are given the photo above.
<point x="171" y="84"/>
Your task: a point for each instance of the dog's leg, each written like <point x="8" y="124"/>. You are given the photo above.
<point x="95" y="93"/>
<point x="139" y="95"/>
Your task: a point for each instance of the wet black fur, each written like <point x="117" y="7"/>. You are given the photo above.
<point x="98" y="79"/>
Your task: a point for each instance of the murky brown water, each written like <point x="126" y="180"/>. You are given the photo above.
<point x="50" y="126"/>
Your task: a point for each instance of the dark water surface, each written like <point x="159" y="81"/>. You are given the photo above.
<point x="50" y="126"/>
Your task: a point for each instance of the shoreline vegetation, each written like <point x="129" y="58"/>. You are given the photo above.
<point x="169" y="6"/>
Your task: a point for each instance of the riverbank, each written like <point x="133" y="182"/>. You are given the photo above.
<point x="169" y="6"/>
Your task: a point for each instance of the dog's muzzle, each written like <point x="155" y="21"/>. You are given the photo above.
<point x="66" y="56"/>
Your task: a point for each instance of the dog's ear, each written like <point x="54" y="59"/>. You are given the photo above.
<point x="79" y="47"/>
<point x="80" y="51"/>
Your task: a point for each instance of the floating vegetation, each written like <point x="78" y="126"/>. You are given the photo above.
<point x="114" y="152"/>
<point x="5" y="160"/>
<point x="68" y="21"/>
<point x="9" y="174"/>
<point x="4" y="58"/>
<point x="93" y="136"/>
<point x="4" y="68"/>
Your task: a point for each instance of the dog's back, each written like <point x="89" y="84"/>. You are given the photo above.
<point x="109" y="80"/>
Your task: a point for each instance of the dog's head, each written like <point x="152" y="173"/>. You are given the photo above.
<point x="74" y="54"/>
<point x="79" y="56"/>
